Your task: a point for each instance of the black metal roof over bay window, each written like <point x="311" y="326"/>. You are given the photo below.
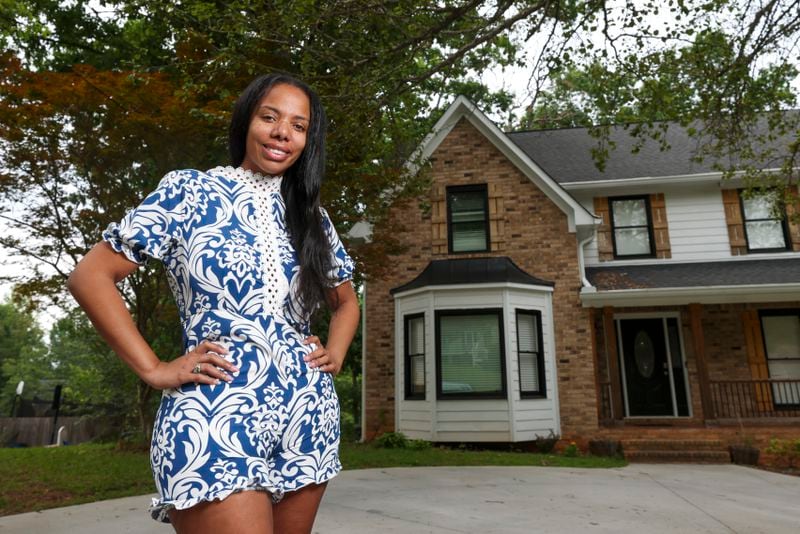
<point x="471" y="271"/>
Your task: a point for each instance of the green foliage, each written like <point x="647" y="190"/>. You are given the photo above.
<point x="365" y="456"/>
<point x="98" y="101"/>
<point x="787" y="450"/>
<point x="724" y="70"/>
<point x="398" y="440"/>
<point x="95" y="380"/>
<point x="392" y="440"/>
<point x="37" y="478"/>
<point x="546" y="444"/>
<point x="23" y="357"/>
<point x="571" y="450"/>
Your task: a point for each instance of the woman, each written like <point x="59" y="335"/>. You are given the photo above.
<point x="250" y="255"/>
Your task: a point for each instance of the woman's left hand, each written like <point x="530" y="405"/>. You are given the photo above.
<point x="322" y="359"/>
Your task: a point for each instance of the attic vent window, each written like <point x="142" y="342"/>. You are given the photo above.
<point x="468" y="218"/>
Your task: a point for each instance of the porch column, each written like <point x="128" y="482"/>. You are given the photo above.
<point x="610" y="335"/>
<point x="699" y="345"/>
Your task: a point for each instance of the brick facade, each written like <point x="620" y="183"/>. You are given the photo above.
<point x="530" y="229"/>
<point x="525" y="226"/>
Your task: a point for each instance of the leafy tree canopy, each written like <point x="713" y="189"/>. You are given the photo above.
<point x="100" y="98"/>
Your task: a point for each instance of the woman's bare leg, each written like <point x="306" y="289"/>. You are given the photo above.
<point x="245" y="512"/>
<point x="295" y="513"/>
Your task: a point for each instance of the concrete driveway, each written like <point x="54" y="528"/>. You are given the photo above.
<point x="640" y="498"/>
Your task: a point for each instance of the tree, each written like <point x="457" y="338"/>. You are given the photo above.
<point x="23" y="356"/>
<point x="98" y="100"/>
<point x="726" y="71"/>
<point x="80" y="148"/>
<point x="95" y="381"/>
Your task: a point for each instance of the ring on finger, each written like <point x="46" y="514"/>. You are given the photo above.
<point x="197" y="369"/>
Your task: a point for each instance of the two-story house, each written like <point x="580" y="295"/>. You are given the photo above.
<point x="539" y="293"/>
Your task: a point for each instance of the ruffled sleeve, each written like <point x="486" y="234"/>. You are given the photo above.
<point x="150" y="229"/>
<point x="343" y="265"/>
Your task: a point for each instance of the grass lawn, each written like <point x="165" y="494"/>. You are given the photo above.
<point x="39" y="478"/>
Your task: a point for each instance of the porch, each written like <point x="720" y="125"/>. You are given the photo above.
<point x="733" y="402"/>
<point x="709" y="365"/>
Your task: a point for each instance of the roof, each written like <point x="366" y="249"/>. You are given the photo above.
<point x="566" y="154"/>
<point x="706" y="274"/>
<point x="471" y="271"/>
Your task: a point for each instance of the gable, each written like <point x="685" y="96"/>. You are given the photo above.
<point x="462" y="109"/>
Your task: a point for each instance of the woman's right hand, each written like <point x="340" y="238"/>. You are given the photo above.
<point x="202" y="365"/>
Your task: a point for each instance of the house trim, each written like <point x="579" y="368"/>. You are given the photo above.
<point x="625" y="183"/>
<point x="462" y="108"/>
<point x="686" y="295"/>
<point x="461" y="287"/>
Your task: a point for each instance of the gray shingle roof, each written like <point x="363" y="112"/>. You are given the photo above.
<point x="471" y="271"/>
<point x="676" y="275"/>
<point x="566" y="154"/>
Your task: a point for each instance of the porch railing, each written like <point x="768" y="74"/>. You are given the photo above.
<point x="732" y="399"/>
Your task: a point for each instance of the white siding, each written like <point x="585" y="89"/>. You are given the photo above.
<point x="472" y="420"/>
<point x="414" y="418"/>
<point x="697" y="227"/>
<point x="538" y="416"/>
<point x="695" y="218"/>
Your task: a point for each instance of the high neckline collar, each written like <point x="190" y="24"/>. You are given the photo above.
<point x="240" y="172"/>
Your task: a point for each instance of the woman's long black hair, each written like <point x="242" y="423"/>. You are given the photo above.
<point x="300" y="187"/>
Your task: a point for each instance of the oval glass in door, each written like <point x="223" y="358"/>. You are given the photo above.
<point x="644" y="354"/>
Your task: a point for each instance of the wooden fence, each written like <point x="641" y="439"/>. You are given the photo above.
<point x="37" y="431"/>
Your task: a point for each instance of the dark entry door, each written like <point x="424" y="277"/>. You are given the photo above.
<point x="646" y="367"/>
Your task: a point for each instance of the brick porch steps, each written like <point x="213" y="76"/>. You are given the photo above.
<point x="675" y="451"/>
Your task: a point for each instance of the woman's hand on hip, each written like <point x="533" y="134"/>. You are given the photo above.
<point x="321" y="358"/>
<point x="202" y="365"/>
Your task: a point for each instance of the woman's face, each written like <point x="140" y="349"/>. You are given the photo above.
<point x="277" y="133"/>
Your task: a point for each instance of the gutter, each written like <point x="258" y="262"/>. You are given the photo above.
<point x="686" y="295"/>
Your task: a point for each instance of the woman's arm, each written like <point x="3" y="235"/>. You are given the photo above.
<point x="344" y="322"/>
<point x="93" y="284"/>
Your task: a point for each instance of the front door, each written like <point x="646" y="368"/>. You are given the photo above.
<point x="646" y="367"/>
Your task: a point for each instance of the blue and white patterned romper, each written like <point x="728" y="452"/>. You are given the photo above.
<point x="222" y="237"/>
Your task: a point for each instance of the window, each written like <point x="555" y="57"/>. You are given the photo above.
<point x="415" y="356"/>
<point x="782" y="343"/>
<point x="631" y="227"/>
<point x="470" y="359"/>
<point x="764" y="232"/>
<point x="468" y="218"/>
<point x="530" y="353"/>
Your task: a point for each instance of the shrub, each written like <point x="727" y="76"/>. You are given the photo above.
<point x="392" y="440"/>
<point x="571" y="450"/>
<point x="418" y="444"/>
<point x="787" y="450"/>
<point x="546" y="444"/>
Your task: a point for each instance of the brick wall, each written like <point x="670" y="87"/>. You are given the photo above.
<point x="527" y="227"/>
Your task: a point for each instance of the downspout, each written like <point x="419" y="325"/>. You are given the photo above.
<point x="581" y="263"/>
<point x="363" y="362"/>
